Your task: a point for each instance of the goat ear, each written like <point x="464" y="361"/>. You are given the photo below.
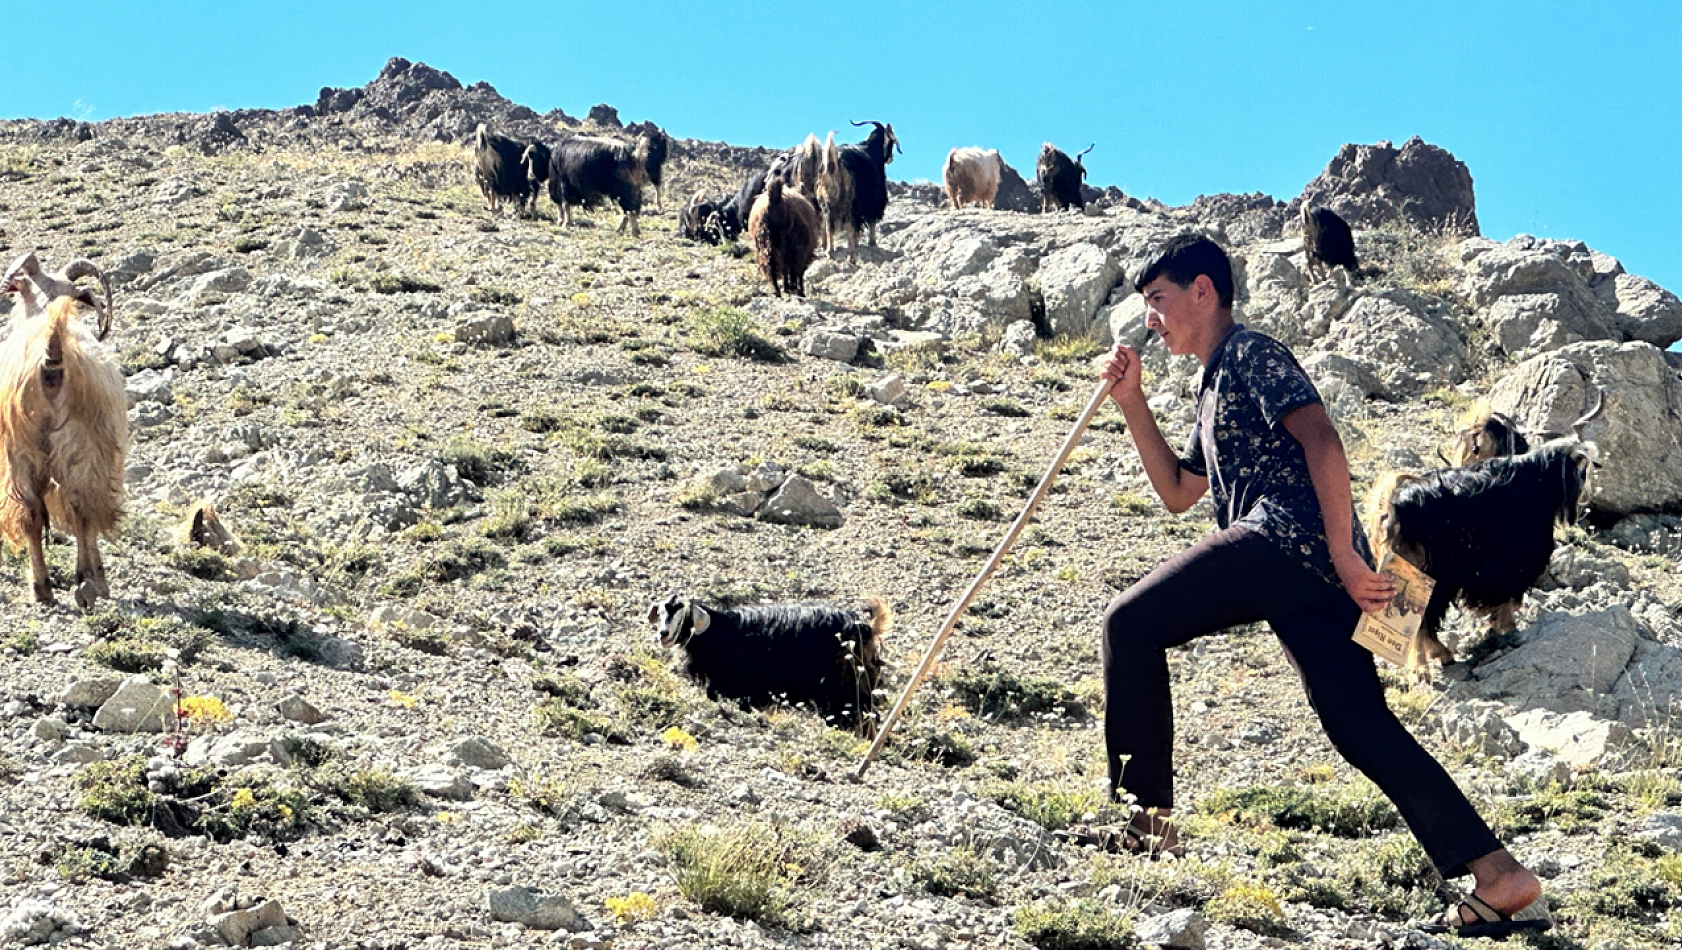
<point x="700" y="619"/>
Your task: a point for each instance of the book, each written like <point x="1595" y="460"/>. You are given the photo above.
<point x="1390" y="633"/>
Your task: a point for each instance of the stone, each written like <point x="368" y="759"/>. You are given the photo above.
<point x="798" y="502"/>
<point x="1566" y="663"/>
<point x="1638" y="433"/>
<point x="1644" y="310"/>
<point x="149" y="385"/>
<point x="486" y="330"/>
<point x="1577" y="738"/>
<point x="830" y="345"/>
<point x="1181" y="928"/>
<point x="1524" y="325"/>
<point x="1540" y="768"/>
<point x="50" y="729"/>
<point x="476" y="752"/>
<point x="1405" y="346"/>
<point x="888" y="390"/>
<point x="91" y="692"/>
<point x="1479" y="726"/>
<point x="237" y="749"/>
<point x="1419" y="183"/>
<point x="215" y="286"/>
<point x="1577" y="569"/>
<point x="237" y="926"/>
<point x="441" y="781"/>
<point x="1663" y="828"/>
<point x="295" y="708"/>
<point x="535" y="909"/>
<point x="1019" y="339"/>
<point x="1075" y="282"/>
<point x="136" y="706"/>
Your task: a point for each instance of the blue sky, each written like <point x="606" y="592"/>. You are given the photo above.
<point x="1568" y="114"/>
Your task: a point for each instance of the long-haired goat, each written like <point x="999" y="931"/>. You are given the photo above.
<point x="585" y="170"/>
<point x="821" y="654"/>
<point x="1327" y="242"/>
<point x="785" y="232"/>
<point x="1485" y="533"/>
<point x="63" y="423"/>
<point x="498" y="169"/>
<point x="1483" y="434"/>
<point x="972" y="175"/>
<point x="654" y="164"/>
<point x="835" y="198"/>
<point x="867" y="165"/>
<point x="1061" y="178"/>
<point x="535" y="161"/>
<point x="799" y="167"/>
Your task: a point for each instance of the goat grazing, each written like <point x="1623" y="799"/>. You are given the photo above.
<point x="1485" y="533"/>
<point x="835" y="197"/>
<point x="699" y="221"/>
<point x="63" y="423"/>
<point x="535" y="161"/>
<point x="820" y="654"/>
<point x="1327" y="242"/>
<point x="1485" y="434"/>
<point x="972" y="175"/>
<point x="1061" y="178"/>
<point x="584" y="170"/>
<point x="498" y="169"/>
<point x="866" y="167"/>
<point x="785" y="230"/>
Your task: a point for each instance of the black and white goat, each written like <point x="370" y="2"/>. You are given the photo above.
<point x="498" y="169"/>
<point x="585" y="170"/>
<point x="535" y="161"/>
<point x="1484" y="532"/>
<point x="818" y="654"/>
<point x="1061" y="178"/>
<point x="866" y="164"/>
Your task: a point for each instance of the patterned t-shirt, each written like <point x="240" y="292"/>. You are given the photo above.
<point x="1257" y="471"/>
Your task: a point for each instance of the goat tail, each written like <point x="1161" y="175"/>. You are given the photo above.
<point x="881" y="615"/>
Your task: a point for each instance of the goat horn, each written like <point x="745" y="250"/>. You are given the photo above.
<point x="26" y="264"/>
<point x="1443" y="458"/>
<point x="82" y="267"/>
<point x="1592" y="414"/>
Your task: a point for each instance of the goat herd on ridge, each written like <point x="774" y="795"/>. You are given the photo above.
<point x="1523" y="462"/>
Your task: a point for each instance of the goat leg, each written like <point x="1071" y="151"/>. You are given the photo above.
<point x="90" y="571"/>
<point x="34" y="533"/>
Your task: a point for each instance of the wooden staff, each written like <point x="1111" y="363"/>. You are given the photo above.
<point x="1021" y="522"/>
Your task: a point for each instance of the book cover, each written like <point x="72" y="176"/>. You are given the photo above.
<point x="1389" y="633"/>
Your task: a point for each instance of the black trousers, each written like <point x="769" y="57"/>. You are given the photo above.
<point x="1235" y="577"/>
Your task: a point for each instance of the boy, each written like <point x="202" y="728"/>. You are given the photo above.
<point x="1288" y="551"/>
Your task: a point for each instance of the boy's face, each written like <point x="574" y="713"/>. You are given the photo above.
<point x="1179" y="315"/>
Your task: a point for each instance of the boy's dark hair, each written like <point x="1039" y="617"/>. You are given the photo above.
<point x="1186" y="256"/>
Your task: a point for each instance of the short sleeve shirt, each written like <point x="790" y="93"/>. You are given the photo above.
<point x="1257" y="471"/>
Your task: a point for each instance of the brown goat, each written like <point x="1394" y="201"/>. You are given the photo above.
<point x="785" y="229"/>
<point x="63" y="426"/>
<point x="835" y="199"/>
<point x="972" y="175"/>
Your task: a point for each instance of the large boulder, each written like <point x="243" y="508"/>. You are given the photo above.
<point x="1638" y="433"/>
<point x="1403" y="341"/>
<point x="1567" y="663"/>
<point x="1015" y="194"/>
<point x="1534" y="295"/>
<point x="1645" y="311"/>
<point x="1418" y="183"/>
<point x="1074" y="282"/>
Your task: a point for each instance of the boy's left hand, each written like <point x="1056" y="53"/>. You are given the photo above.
<point x="1369" y="589"/>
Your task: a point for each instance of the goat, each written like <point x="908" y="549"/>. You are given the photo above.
<point x="654" y="164"/>
<point x="1327" y="242"/>
<point x="866" y="166"/>
<point x="821" y="654"/>
<point x="799" y="167"/>
<point x="835" y="197"/>
<point x="1483" y="532"/>
<point x="1484" y="434"/>
<point x="535" y="161"/>
<point x="785" y="228"/>
<point x="735" y="211"/>
<point x="972" y="175"/>
<point x="698" y="221"/>
<point x="584" y="170"/>
<point x="63" y="423"/>
<point x="1061" y="178"/>
<point x="498" y="169"/>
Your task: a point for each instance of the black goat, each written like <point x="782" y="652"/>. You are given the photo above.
<point x="820" y="654"/>
<point x="497" y="168"/>
<point x="786" y="231"/>
<point x="535" y="161"/>
<point x="1061" y="178"/>
<point x="733" y="214"/>
<point x="867" y="165"/>
<point x="585" y="170"/>
<point x="1485" y="533"/>
<point x="1327" y="242"/>
<point x="654" y="164"/>
<point x="704" y="220"/>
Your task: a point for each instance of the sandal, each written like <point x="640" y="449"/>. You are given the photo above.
<point x="1486" y="921"/>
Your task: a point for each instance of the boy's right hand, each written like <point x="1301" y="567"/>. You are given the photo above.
<point x="1123" y="371"/>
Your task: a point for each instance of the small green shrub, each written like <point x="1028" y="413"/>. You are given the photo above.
<point x="1083" y="924"/>
<point x="401" y="284"/>
<point x="1346" y="813"/>
<point x="202" y="563"/>
<point x="374" y="789"/>
<point x="751" y="870"/>
<point x="1003" y="407"/>
<point x="960" y="872"/>
<point x="115" y="791"/>
<point x="1052" y="808"/>
<point x="480" y="464"/>
<point x="993" y="691"/>
<point x="727" y="331"/>
<point x="1249" y="907"/>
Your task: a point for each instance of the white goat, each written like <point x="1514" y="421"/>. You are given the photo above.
<point x="972" y="174"/>
<point x="63" y="423"/>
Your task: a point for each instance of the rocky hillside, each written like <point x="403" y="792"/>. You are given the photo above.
<point x="459" y="455"/>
